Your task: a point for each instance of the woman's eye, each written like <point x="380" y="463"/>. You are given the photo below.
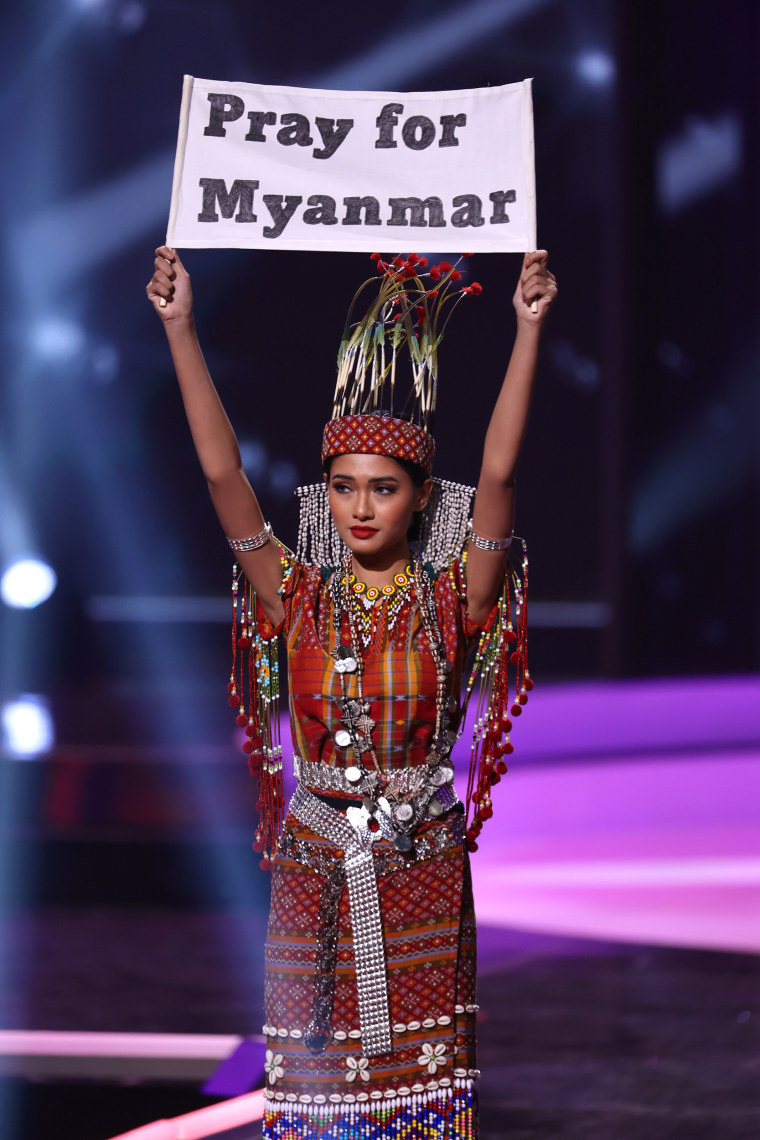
<point x="385" y="490"/>
<point x="341" y="487"/>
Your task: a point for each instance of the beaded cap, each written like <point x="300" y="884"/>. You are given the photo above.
<point x="378" y="435"/>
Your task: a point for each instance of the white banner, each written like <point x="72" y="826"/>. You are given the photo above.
<point x="262" y="167"/>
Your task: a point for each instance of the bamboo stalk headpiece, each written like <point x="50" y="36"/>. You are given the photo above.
<point x="374" y="409"/>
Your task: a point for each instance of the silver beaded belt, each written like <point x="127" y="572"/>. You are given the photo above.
<point x="403" y="781"/>
<point x="351" y="833"/>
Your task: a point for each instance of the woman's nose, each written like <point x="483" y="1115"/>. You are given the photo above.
<point x="363" y="506"/>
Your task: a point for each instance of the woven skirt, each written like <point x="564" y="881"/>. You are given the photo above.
<point x="425" y="1086"/>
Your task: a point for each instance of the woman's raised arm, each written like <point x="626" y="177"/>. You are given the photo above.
<point x="237" y="508"/>
<point x="493" y="514"/>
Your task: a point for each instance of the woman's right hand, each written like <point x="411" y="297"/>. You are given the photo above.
<point x="169" y="289"/>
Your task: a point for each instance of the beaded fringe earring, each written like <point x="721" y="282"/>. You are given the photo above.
<point x="443" y="525"/>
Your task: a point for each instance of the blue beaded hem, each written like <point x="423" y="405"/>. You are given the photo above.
<point x="446" y="1114"/>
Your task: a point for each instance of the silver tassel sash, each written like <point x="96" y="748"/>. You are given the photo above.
<point x="351" y="833"/>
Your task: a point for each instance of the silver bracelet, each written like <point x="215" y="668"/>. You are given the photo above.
<point x="254" y="542"/>
<point x="490" y="543"/>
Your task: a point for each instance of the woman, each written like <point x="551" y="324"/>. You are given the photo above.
<point x="370" y="956"/>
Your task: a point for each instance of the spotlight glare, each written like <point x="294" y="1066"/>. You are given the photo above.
<point x="595" y="67"/>
<point x="27" y="582"/>
<point x="57" y="338"/>
<point x="27" y="727"/>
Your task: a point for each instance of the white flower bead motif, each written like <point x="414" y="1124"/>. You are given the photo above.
<point x="273" y="1066"/>
<point x="356" y="1068"/>
<point x="432" y="1057"/>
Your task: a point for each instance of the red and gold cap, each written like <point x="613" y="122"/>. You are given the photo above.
<point x="379" y="435"/>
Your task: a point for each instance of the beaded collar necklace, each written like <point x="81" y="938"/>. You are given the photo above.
<point x="376" y="609"/>
<point x="370" y="594"/>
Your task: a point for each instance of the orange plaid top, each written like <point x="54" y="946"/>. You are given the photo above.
<point x="399" y="680"/>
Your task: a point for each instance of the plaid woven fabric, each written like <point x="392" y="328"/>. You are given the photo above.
<point x="429" y="927"/>
<point x="378" y="435"/>
<point x="399" y="682"/>
<point x="426" y="1080"/>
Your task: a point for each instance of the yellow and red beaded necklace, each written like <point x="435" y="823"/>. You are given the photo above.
<point x="376" y="608"/>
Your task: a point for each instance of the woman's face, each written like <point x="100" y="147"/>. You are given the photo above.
<point x="372" y="500"/>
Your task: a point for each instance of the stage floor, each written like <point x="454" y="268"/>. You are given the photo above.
<point x="618" y="893"/>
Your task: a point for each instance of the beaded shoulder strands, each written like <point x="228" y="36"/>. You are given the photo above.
<point x="254" y="692"/>
<point x="500" y="670"/>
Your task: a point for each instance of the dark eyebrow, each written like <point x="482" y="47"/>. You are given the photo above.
<point x="378" y="479"/>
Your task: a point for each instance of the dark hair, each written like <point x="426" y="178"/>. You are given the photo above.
<point x="417" y="476"/>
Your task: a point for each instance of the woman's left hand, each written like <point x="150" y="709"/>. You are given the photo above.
<point x="537" y="285"/>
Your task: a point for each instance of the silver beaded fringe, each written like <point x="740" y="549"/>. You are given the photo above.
<point x="442" y="531"/>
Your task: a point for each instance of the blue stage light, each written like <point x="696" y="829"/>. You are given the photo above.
<point x="27" y="727"/>
<point x="27" y="582"/>
<point x="702" y="158"/>
<point x="56" y="338"/>
<point x="595" y="67"/>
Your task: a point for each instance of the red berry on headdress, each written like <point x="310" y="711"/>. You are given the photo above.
<point x="476" y="287"/>
<point x="433" y="292"/>
<point x="456" y="275"/>
<point x="241" y="720"/>
<point x="444" y="266"/>
<point x="410" y="271"/>
<point x="422" y="262"/>
<point x="435" y="273"/>
<point x="413" y="258"/>
<point x="398" y="317"/>
<point x="465" y="255"/>
<point x="374" y="257"/>
<point x="516" y="709"/>
<point x="398" y="261"/>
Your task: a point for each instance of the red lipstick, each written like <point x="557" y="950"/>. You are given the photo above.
<point x="363" y="531"/>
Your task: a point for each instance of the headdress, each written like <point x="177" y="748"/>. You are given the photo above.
<point x="385" y="398"/>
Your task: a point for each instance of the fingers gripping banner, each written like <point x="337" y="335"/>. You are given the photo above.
<point x="259" y="167"/>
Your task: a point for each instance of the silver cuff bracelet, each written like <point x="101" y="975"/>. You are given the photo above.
<point x="490" y="543"/>
<point x="253" y="542"/>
